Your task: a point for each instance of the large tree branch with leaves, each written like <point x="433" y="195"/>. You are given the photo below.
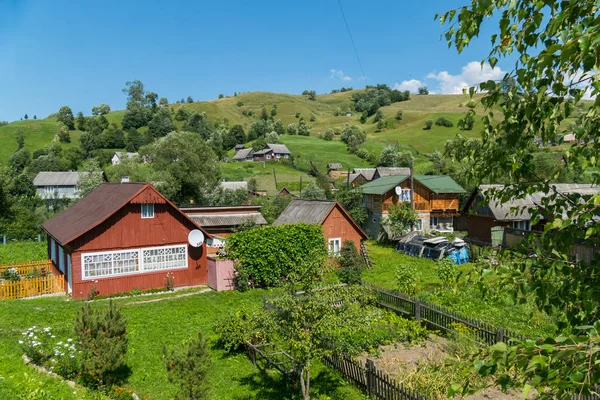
<point x="557" y="48"/>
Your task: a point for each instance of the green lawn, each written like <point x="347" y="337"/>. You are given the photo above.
<point x="263" y="173"/>
<point x="465" y="298"/>
<point x="150" y="325"/>
<point x="23" y="252"/>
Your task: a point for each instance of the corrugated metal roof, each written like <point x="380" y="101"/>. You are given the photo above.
<point x="234" y="185"/>
<point x="261" y="152"/>
<point x="279" y="148"/>
<point x="305" y="211"/>
<point x="507" y="211"/>
<point x="383" y="185"/>
<point x="56" y="179"/>
<point x="243" y="154"/>
<point x="352" y="177"/>
<point x="390" y="171"/>
<point x="368" y="173"/>
<point x="439" y="184"/>
<point x="236" y="219"/>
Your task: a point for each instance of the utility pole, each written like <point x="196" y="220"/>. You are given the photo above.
<point x="300" y="185"/>
<point x="412" y="189"/>
<point x="275" y="178"/>
<point x="348" y="180"/>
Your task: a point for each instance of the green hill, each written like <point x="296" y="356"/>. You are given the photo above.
<point x="408" y="133"/>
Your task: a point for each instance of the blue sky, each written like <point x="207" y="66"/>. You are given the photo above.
<point x="80" y="54"/>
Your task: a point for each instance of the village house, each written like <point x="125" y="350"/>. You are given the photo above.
<point x="334" y="171"/>
<point x="338" y="226"/>
<point x="120" y="156"/>
<point x="59" y="185"/>
<point x="124" y="236"/>
<point x="221" y="222"/>
<point x="482" y="217"/>
<point x="234" y="185"/>
<point x="273" y="152"/>
<point x="436" y="200"/>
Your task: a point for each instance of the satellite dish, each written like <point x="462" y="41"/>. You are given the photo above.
<point x="196" y="238"/>
<point x="398" y="190"/>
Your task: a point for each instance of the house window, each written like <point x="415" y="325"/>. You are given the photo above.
<point x="61" y="259"/>
<point x="334" y="247"/>
<point x="268" y="156"/>
<point x="147" y="210"/>
<point x="115" y="263"/>
<point x="419" y="225"/>
<point x="405" y="195"/>
<point x="53" y="251"/>
<point x="433" y="221"/>
<point x="522" y="225"/>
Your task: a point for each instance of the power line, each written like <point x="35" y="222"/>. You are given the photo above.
<point x="352" y="40"/>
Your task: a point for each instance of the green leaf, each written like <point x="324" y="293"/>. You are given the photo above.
<point x="526" y="390"/>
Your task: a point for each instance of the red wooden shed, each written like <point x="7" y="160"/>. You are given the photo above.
<point x="124" y="236"/>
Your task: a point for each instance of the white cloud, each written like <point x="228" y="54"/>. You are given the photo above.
<point x="412" y="85"/>
<point x="336" y="73"/>
<point x="472" y="74"/>
<point x="585" y="80"/>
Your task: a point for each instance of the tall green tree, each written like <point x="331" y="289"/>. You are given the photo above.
<point x="65" y="115"/>
<point x="19" y="160"/>
<point x="189" y="368"/>
<point x="134" y="91"/>
<point x="20" y="137"/>
<point x="101" y="109"/>
<point x="161" y="123"/>
<point x="80" y="121"/>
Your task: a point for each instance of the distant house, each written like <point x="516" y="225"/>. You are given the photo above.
<point x="356" y="179"/>
<point x="436" y="200"/>
<point x="124" y="236"/>
<point x="337" y="224"/>
<point x="285" y="192"/>
<point x="239" y="147"/>
<point x="380" y="172"/>
<point x="367" y="173"/>
<point x="119" y="156"/>
<point x="570" y="138"/>
<point x="481" y="217"/>
<point x="234" y="185"/>
<point x="59" y="185"/>
<point x="334" y="166"/>
<point x="243" y="155"/>
<point x="220" y="222"/>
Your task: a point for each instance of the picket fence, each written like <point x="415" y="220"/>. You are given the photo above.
<point x="32" y="287"/>
<point x="25" y="268"/>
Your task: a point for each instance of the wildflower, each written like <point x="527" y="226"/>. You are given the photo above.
<point x="69" y="340"/>
<point x="20" y="342"/>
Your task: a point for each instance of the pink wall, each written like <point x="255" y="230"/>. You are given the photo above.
<point x="220" y="274"/>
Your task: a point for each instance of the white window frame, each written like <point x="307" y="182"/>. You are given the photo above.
<point x="268" y="156"/>
<point x="333" y="252"/>
<point x="419" y="225"/>
<point x="524" y="225"/>
<point x="140" y="265"/>
<point x="405" y="196"/>
<point x="147" y="214"/>
<point x="53" y="251"/>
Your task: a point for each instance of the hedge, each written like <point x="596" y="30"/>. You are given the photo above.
<point x="265" y="256"/>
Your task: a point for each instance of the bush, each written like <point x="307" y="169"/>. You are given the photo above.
<point x="446" y="271"/>
<point x="243" y="326"/>
<point x="188" y="367"/>
<point x="428" y="124"/>
<point x="351" y="264"/>
<point x="291" y="129"/>
<point x="363" y="153"/>
<point x="11" y="275"/>
<point x="399" y="115"/>
<point x="443" y="121"/>
<point x="102" y="343"/>
<point x="328" y="135"/>
<point x="269" y="255"/>
<point x="406" y="279"/>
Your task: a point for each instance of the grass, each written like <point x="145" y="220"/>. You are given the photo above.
<point x="23" y="252"/>
<point x="169" y="322"/>
<point x="465" y="298"/>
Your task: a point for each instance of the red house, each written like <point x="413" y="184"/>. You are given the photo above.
<point x="124" y="236"/>
<point x="338" y="225"/>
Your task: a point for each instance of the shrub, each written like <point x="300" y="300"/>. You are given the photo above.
<point x="351" y="264"/>
<point x="297" y="115"/>
<point x="102" y="342"/>
<point x="188" y="367"/>
<point x="399" y="115"/>
<point x="43" y="348"/>
<point x="268" y="255"/>
<point x="313" y="117"/>
<point x="428" y="124"/>
<point x="406" y="279"/>
<point x="328" y="135"/>
<point x="446" y="271"/>
<point x="291" y="129"/>
<point x="363" y="153"/>
<point x="443" y="121"/>
<point x="241" y="327"/>
<point x="11" y="275"/>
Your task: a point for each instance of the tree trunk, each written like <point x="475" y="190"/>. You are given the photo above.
<point x="305" y="381"/>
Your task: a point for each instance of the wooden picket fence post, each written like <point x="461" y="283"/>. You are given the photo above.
<point x="32" y="287"/>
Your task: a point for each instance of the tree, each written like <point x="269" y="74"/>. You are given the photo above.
<point x="291" y="129"/>
<point x="26" y="117"/>
<point x="198" y="123"/>
<point x="221" y="96"/>
<point x="163" y="102"/>
<point x="273" y="112"/>
<point x="303" y="128"/>
<point x="259" y="144"/>
<point x="466" y="123"/>
<point x="363" y="117"/>
<point x="88" y="142"/>
<point x="227" y="197"/>
<point x="188" y="165"/>
<point x="313" y="117"/>
<point x="260" y="128"/>
<point x="353" y="136"/>
<point x="161" y="123"/>
<point x="312" y="191"/>
<point x="112" y="137"/>
<point x="352" y="201"/>
<point x="136" y="115"/>
<point x="19" y="160"/>
<point x="133" y="140"/>
<point x="80" y="121"/>
<point x="237" y="132"/>
<point x="388" y="157"/>
<point x="404" y="158"/>
<point x="378" y="116"/>
<point x="351" y="264"/>
<point x="428" y="124"/>
<point x="101" y="109"/>
<point x="135" y="91"/>
<point x="63" y="135"/>
<point x="189" y="100"/>
<point x="34" y="116"/>
<point x="279" y="127"/>
<point x="102" y="343"/>
<point x="400" y="219"/>
<point x="20" y="137"/>
<point x="73" y="156"/>
<point x="188" y="367"/>
<point x="150" y="100"/>
<point x="92" y="178"/>
<point x="311" y="94"/>
<point x="272" y="137"/>
<point x="328" y="134"/>
<point x="443" y="121"/>
<point x="423" y="90"/>
<point x="65" y="115"/>
<point x="553" y="45"/>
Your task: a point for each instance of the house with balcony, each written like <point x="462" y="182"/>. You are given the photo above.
<point x="436" y="200"/>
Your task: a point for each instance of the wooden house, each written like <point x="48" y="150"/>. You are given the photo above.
<point x="124" y="236"/>
<point x="59" y="185"/>
<point x="221" y="222"/>
<point x="338" y="225"/>
<point x="436" y="200"/>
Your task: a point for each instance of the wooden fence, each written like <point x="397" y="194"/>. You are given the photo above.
<point x="32" y="287"/>
<point x="25" y="268"/>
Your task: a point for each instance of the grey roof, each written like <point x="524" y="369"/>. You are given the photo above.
<point x="305" y="211"/>
<point x="279" y="148"/>
<point x="334" y="166"/>
<point x="57" y="178"/>
<point x="234" y="185"/>
<point x="263" y="151"/>
<point x="243" y="154"/>
<point x="392" y="171"/>
<point x="240" y="146"/>
<point x="121" y="154"/>
<point x="505" y="211"/>
<point x="368" y="173"/>
<point x="352" y="177"/>
<point x="234" y="219"/>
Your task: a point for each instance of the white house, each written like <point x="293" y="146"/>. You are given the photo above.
<point x="119" y="155"/>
